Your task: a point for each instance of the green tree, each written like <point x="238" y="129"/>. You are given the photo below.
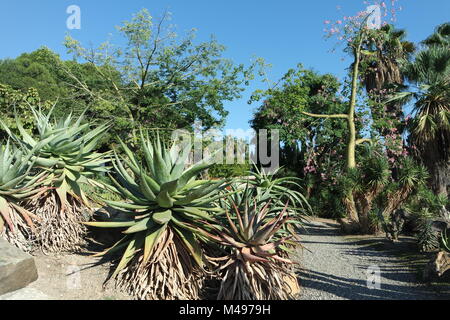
<point x="42" y="78"/>
<point x="167" y="81"/>
<point x="311" y="148"/>
<point x="441" y="37"/>
<point x="38" y="69"/>
<point x="355" y="48"/>
<point x="355" y="34"/>
<point x="385" y="50"/>
<point x="429" y="77"/>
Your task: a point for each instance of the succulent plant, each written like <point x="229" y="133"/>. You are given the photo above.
<point x="257" y="266"/>
<point x="65" y="150"/>
<point x="163" y="220"/>
<point x="262" y="188"/>
<point x="17" y="224"/>
<point x="446" y="240"/>
<point x="279" y="189"/>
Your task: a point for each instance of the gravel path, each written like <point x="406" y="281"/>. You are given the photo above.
<point x="336" y="269"/>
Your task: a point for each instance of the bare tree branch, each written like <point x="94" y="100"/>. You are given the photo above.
<point x="332" y="116"/>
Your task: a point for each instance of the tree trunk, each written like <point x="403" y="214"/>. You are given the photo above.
<point x="352" y="212"/>
<point x="440" y="177"/>
<point x="351" y="145"/>
<point x="352" y="142"/>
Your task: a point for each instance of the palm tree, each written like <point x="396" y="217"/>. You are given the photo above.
<point x="441" y="37"/>
<point x="429" y="76"/>
<point x="384" y="51"/>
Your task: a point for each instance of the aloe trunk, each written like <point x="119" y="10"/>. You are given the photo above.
<point x="351" y="145"/>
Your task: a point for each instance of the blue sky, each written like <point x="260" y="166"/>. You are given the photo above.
<point x="283" y="32"/>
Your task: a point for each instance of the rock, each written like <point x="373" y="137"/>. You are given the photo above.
<point x="25" y="294"/>
<point x="437" y="267"/>
<point x="17" y="269"/>
<point x="349" y="227"/>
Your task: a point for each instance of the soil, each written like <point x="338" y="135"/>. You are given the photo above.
<point x="74" y="277"/>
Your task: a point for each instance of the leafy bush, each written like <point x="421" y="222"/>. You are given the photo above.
<point x="228" y="170"/>
<point x="425" y="208"/>
<point x="16" y="103"/>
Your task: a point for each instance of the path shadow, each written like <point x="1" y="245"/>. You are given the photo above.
<point x="355" y="289"/>
<point x="316" y="230"/>
<point x="399" y="276"/>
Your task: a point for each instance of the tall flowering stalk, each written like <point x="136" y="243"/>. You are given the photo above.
<point x="353" y="31"/>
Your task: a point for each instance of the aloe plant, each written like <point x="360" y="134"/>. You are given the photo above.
<point x="262" y="187"/>
<point x="280" y="190"/>
<point x="257" y="266"/>
<point x="67" y="155"/>
<point x="163" y="220"/>
<point x="17" y="224"/>
<point x="446" y="240"/>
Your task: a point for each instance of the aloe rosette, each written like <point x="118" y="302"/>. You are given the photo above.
<point x="67" y="155"/>
<point x="263" y="189"/>
<point x="17" y="186"/>
<point x="257" y="266"/>
<point x="279" y="190"/>
<point x="162" y="221"/>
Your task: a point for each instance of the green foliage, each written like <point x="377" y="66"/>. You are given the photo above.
<point x="38" y="70"/>
<point x="385" y="51"/>
<point x="15" y="103"/>
<point x="167" y="82"/>
<point x="301" y="90"/>
<point x="411" y="175"/>
<point x="280" y="190"/>
<point x="327" y="201"/>
<point x="374" y="171"/>
<point x="229" y="170"/>
<point x="311" y="148"/>
<point x="408" y="178"/>
<point x="42" y="78"/>
<point x="425" y="208"/>
<point x="380" y="188"/>
<point x="427" y="238"/>
<point x="429" y="77"/>
<point x="441" y="37"/>
<point x="66" y="151"/>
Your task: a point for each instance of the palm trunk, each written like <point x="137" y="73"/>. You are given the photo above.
<point x="440" y="177"/>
